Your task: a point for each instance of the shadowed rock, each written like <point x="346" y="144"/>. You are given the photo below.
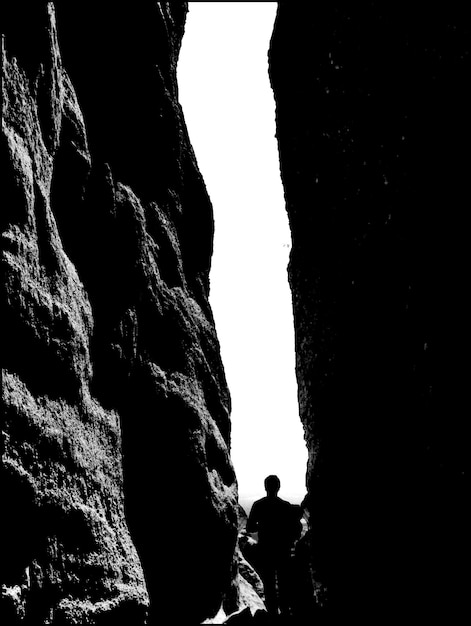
<point x="373" y="128"/>
<point x="114" y="389"/>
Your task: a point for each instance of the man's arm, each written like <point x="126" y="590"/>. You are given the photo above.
<point x="252" y="522"/>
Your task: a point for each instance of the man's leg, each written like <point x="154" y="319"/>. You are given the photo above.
<point x="284" y="576"/>
<point x="268" y="575"/>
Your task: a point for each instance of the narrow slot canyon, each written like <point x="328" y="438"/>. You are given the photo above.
<point x="124" y="459"/>
<point x="229" y="110"/>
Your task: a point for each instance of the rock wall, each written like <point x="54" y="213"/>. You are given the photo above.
<point x="118" y="486"/>
<point x="373" y="128"/>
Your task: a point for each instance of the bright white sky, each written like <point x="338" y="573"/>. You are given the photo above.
<point x="230" y="113"/>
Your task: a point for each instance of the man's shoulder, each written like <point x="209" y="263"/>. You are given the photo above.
<point x="256" y="503"/>
<point x="259" y="502"/>
<point x="283" y="503"/>
<point x="272" y="501"/>
<point x="285" y="509"/>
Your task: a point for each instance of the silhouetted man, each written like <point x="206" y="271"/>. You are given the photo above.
<point x="272" y="518"/>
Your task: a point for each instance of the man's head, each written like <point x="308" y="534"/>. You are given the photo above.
<point x="272" y="485"/>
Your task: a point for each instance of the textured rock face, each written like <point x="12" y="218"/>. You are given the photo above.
<point x="114" y="390"/>
<point x="374" y="133"/>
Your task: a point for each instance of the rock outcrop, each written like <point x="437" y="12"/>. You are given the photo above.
<point x="118" y="486"/>
<point x="373" y="128"/>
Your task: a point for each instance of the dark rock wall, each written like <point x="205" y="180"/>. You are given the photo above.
<point x="373" y="127"/>
<point x="114" y="392"/>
